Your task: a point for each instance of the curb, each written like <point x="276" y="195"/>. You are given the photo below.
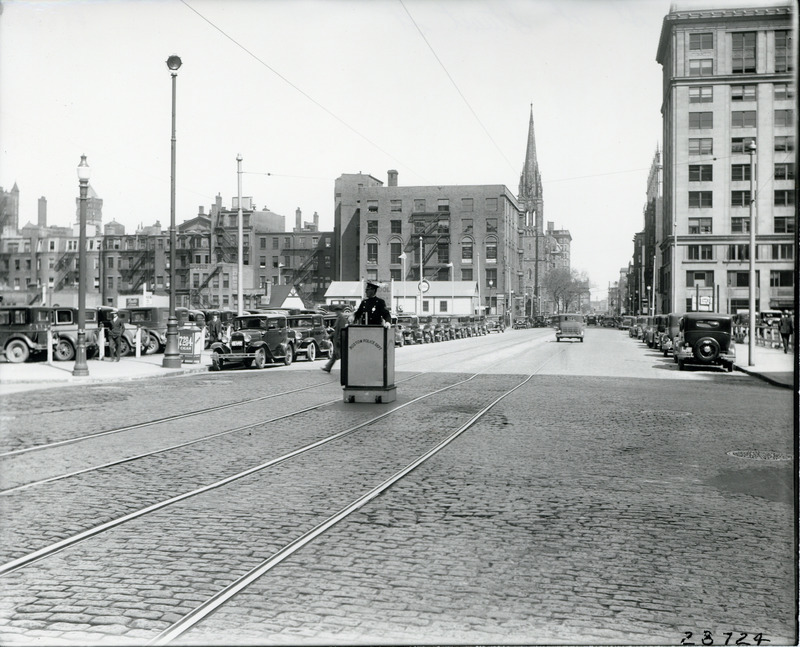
<point x="763" y="377"/>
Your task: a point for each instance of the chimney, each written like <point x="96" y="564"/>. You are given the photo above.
<point x="202" y="211"/>
<point x="42" y="222"/>
<point x="392" y="178"/>
<point x="298" y="220"/>
<point x="316" y="221"/>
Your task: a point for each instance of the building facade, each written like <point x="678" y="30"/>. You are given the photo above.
<point x="728" y="80"/>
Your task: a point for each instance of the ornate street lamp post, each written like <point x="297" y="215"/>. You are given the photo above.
<point x="751" y="344"/>
<point x="81" y="368"/>
<point x="172" y="358"/>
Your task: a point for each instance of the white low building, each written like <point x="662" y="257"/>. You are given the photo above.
<point x="426" y="297"/>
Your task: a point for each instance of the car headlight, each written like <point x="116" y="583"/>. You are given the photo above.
<point x="246" y="336"/>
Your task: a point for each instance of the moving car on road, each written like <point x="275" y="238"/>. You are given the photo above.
<point x="569" y="326"/>
<point x="495" y="323"/>
<point x="310" y="336"/>
<point x="705" y="339"/>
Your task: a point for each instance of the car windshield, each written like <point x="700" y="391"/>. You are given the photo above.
<point x="301" y="323"/>
<point x="406" y="320"/>
<point x="250" y="323"/>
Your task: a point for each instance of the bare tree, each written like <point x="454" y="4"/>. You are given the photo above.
<point x="565" y="286"/>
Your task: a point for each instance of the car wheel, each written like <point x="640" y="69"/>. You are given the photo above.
<point x="260" y="360"/>
<point x="311" y="352"/>
<point x="706" y="349"/>
<point x="65" y="351"/>
<point x="287" y="359"/>
<point x="124" y="348"/>
<point x="17" y="351"/>
<point x="216" y="361"/>
<point x="151" y="345"/>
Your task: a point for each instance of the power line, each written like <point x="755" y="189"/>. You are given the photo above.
<point x="295" y="87"/>
<point x="461" y="94"/>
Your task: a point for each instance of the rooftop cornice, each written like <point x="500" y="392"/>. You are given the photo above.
<point x="741" y="12"/>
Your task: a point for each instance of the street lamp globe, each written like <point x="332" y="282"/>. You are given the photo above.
<point x="83" y="170"/>
<point x="174" y="62"/>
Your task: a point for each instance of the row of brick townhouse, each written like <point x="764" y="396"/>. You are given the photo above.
<point x="729" y="79"/>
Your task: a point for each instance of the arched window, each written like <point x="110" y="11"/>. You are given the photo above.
<point x="491" y="249"/>
<point x="395" y="249"/>
<point x="466" y="250"/>
<point x="372" y="251"/>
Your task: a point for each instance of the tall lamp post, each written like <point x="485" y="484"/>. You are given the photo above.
<point x="239" y="282"/>
<point x="751" y="343"/>
<point x="172" y="358"/>
<point x="81" y="368"/>
<point x="403" y="277"/>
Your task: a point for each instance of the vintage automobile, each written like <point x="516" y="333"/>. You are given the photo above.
<point x="569" y="326"/>
<point x="706" y="339"/>
<point x="25" y="332"/>
<point x="101" y="316"/>
<point x="399" y="338"/>
<point x="412" y="332"/>
<point x="626" y="323"/>
<point x="495" y="323"/>
<point x="659" y="326"/>
<point x="670" y="332"/>
<point x="427" y="323"/>
<point x="65" y="333"/>
<point x="154" y="319"/>
<point x="310" y="336"/>
<point x="648" y="331"/>
<point x="466" y="326"/>
<point x="256" y="339"/>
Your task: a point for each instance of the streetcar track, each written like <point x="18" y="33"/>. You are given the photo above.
<point x="57" y="547"/>
<point x="212" y="604"/>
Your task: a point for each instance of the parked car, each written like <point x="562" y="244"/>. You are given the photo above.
<point x="154" y="319"/>
<point x="495" y="323"/>
<point x="569" y="326"/>
<point x="670" y="333"/>
<point x="399" y="339"/>
<point x="521" y="322"/>
<point x="648" y="332"/>
<point x="626" y="322"/>
<point x="428" y="325"/>
<point x="310" y="336"/>
<point x="659" y="326"/>
<point x="705" y="339"/>
<point x="25" y="332"/>
<point x="466" y="326"/>
<point x="65" y="333"/>
<point x="256" y="339"/>
<point x="412" y="332"/>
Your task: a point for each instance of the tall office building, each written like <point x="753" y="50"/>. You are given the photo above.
<point x="728" y="80"/>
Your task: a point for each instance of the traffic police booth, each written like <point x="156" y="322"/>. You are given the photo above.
<point x="367" y="373"/>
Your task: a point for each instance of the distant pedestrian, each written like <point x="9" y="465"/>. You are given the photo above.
<point x="214" y="329"/>
<point x="336" y="336"/>
<point x="786" y="329"/>
<point x="115" y="336"/>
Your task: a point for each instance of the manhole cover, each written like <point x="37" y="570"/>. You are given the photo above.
<point x="761" y="456"/>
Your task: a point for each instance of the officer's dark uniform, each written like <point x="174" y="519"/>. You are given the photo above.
<point x="374" y="308"/>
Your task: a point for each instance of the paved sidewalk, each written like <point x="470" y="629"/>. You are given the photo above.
<point x="769" y="364"/>
<point x="20" y="377"/>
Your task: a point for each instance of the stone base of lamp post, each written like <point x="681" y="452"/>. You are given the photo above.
<point x="81" y="368"/>
<point x="172" y="358"/>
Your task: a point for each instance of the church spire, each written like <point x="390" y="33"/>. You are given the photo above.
<point x="530" y="179"/>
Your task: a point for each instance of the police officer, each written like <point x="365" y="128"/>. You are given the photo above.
<point x="372" y="310"/>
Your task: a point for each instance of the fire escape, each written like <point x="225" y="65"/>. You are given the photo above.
<point x="136" y="273"/>
<point x="200" y="297"/>
<point x="433" y="227"/>
<point x="67" y="269"/>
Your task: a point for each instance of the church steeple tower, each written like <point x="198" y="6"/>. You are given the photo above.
<point x="530" y="180"/>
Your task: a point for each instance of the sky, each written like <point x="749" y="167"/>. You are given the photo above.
<point x="306" y="90"/>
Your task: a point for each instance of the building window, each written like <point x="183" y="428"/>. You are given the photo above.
<point x="395" y="206"/>
<point x="396" y="226"/>
<point x="784" y="171"/>
<point x="784" y="144"/>
<point x="372" y="226"/>
<point x="395" y="275"/>
<point x="275" y="244"/>
<point x="743" y="93"/>
<point x="784" y="197"/>
<point x="491" y="225"/>
<point x="491" y="204"/>
<point x="443" y="251"/>
<point x="395" y="249"/>
<point x="740" y="144"/>
<point x="740" y="279"/>
<point x="783" y="91"/>
<point x="262" y="242"/>
<point x="700" y="252"/>
<point x="419" y="205"/>
<point x="262" y="261"/>
<point x="226" y="281"/>
<point x="372" y="206"/>
<point x="740" y="198"/>
<point x="739" y="252"/>
<point x="701" y="173"/>
<point x="743" y="53"/>
<point x="701" y="41"/>
<point x="783" y="51"/>
<point x="700" y="199"/>
<point x="701" y="120"/>
<point x="783" y="224"/>
<point x="372" y="253"/>
<point x="443" y="205"/>
<point x="781" y="278"/>
<point x="700" y="278"/>
<point x="491" y="277"/>
<point x="466" y="251"/>
<point x="701" y="67"/>
<point x="491" y="251"/>
<point x="702" y="146"/>
<point x="740" y="172"/>
<point x="466" y="204"/>
<point x="782" y="252"/>
<point x="466" y="273"/>
<point x="700" y="226"/>
<point x="740" y="225"/>
<point x="743" y="119"/>
<point x="784" y="118"/>
<point x="287" y="243"/>
<point x="466" y="225"/>
<point x="701" y="94"/>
